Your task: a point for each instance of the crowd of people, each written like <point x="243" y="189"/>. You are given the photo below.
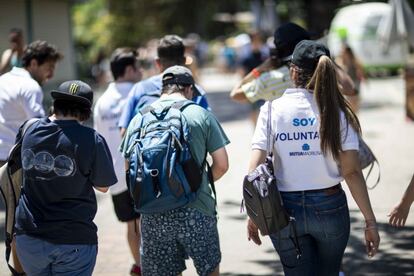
<point x="65" y="162"/>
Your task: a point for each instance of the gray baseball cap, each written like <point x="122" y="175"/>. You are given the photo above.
<point x="179" y="75"/>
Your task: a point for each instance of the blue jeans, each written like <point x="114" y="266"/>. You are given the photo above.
<point x="39" y="257"/>
<point x="322" y="224"/>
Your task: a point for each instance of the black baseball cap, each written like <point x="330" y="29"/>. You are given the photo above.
<point x="179" y="75"/>
<point x="307" y="53"/>
<point x="74" y="91"/>
<point x="286" y="37"/>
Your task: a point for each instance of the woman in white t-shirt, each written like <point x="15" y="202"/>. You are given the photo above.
<point x="314" y="133"/>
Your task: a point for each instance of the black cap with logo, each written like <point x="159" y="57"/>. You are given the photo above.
<point x="74" y="91"/>
<point x="307" y="53"/>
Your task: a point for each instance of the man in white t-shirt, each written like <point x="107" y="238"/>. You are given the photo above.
<point x="108" y="109"/>
<point x="21" y="94"/>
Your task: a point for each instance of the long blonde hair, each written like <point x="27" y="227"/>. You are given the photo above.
<point x="330" y="102"/>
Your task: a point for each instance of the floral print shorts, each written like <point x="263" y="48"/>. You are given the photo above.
<point x="171" y="237"/>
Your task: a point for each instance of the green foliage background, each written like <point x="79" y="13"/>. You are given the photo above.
<point x="103" y="25"/>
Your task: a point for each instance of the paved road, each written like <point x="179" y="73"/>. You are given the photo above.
<point x="385" y="129"/>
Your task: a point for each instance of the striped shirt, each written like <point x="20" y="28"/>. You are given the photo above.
<point x="269" y="86"/>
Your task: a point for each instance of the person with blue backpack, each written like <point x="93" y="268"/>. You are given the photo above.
<point x="165" y="147"/>
<point x="170" y="52"/>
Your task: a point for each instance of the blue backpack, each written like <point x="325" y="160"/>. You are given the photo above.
<point x="163" y="174"/>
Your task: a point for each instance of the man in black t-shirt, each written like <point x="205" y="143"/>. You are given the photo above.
<point x="62" y="162"/>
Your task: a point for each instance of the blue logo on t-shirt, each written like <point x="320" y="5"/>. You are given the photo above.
<point x="305" y="147"/>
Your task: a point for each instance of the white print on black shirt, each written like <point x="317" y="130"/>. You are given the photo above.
<point x="45" y="163"/>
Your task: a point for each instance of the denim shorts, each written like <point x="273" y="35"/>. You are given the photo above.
<point x="171" y="237"/>
<point x="322" y="226"/>
<point x="39" y="257"/>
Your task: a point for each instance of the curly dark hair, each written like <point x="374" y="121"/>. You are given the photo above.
<point x="41" y="51"/>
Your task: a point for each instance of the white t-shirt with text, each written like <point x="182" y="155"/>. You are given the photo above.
<point x="298" y="160"/>
<point x="107" y="111"/>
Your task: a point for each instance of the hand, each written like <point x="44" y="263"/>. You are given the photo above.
<point x="372" y="240"/>
<point x="253" y="232"/>
<point x="398" y="215"/>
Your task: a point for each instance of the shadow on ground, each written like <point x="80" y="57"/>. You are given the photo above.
<point x="395" y="256"/>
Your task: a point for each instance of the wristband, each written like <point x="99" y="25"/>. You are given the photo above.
<point x="256" y="73"/>
<point x="370" y="223"/>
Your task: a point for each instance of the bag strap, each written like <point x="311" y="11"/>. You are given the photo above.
<point x="269" y="150"/>
<point x="211" y="181"/>
<point x="369" y="173"/>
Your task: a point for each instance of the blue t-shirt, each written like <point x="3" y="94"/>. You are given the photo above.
<point x="62" y="161"/>
<point x="146" y="92"/>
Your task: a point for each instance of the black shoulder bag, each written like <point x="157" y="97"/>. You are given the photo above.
<point x="262" y="198"/>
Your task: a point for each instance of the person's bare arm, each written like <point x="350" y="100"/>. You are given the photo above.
<point x="5" y="60"/>
<point x="351" y="171"/>
<point x="237" y="94"/>
<point x="220" y="163"/>
<point x="122" y="131"/>
<point x="101" y="189"/>
<point x="346" y="85"/>
<point x="399" y="214"/>
<point x="256" y="158"/>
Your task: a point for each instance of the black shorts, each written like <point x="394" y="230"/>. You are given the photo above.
<point x="124" y="207"/>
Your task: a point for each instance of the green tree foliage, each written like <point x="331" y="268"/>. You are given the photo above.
<point x="107" y="24"/>
<point x="91" y="28"/>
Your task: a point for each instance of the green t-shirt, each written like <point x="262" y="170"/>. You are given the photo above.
<point x="206" y="135"/>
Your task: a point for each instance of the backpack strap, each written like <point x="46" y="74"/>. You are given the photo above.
<point x="181" y="105"/>
<point x="210" y="179"/>
<point x="146" y="109"/>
